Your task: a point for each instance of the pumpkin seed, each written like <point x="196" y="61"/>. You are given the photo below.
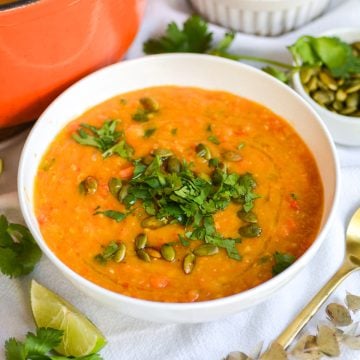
<point x="123" y="193"/>
<point x="153" y="223"/>
<point x="339" y="314"/>
<point x="306" y="74"/>
<point x="313" y="84"/>
<point x="149" y="104"/>
<point x="328" y="80"/>
<point x="352" y="100"/>
<point x="119" y="255"/>
<point x="203" y="151"/>
<point x="189" y="263"/>
<point x="338" y="106"/>
<point x="154" y="253"/>
<point x="206" y="250"/>
<point x="250" y="231"/>
<point x="322" y="97"/>
<point x="232" y="156"/>
<point x="248" y="216"/>
<point x="353" y="88"/>
<point x="88" y="186"/>
<point x="140" y="241"/>
<point x="327" y="342"/>
<point x="237" y="355"/>
<point x="348" y="111"/>
<point x="173" y="165"/>
<point x="143" y="255"/>
<point x="340" y="95"/>
<point x="115" y="185"/>
<point x="168" y="252"/>
<point x="353" y="302"/>
<point x="163" y="153"/>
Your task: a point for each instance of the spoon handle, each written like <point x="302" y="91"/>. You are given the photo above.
<point x="288" y="335"/>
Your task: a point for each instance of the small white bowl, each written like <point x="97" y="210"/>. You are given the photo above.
<point x="181" y="70"/>
<point x="261" y="17"/>
<point x="345" y="130"/>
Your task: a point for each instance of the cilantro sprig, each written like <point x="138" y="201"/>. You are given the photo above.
<point x="39" y="346"/>
<point x="195" y="37"/>
<point x="106" y="139"/>
<point x="282" y="262"/>
<point x="19" y="252"/>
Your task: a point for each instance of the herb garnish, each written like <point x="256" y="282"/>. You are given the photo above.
<point x="40" y="346"/>
<point x="214" y="139"/>
<point x="112" y="214"/>
<point x="149" y="132"/>
<point x="148" y="108"/>
<point x="19" y="252"/>
<point x="282" y="262"/>
<point x="185" y="198"/>
<point x="195" y="37"/>
<point x="106" y="138"/>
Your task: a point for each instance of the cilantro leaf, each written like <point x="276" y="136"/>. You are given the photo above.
<point x="276" y="73"/>
<point x="14" y="350"/>
<point x="19" y="252"/>
<point x="194" y="38"/>
<point x="43" y="341"/>
<point x="282" y="262"/>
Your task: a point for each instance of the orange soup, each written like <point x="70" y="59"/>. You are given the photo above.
<point x="178" y="194"/>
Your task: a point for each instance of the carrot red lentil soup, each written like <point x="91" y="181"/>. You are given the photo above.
<point x="178" y="194"/>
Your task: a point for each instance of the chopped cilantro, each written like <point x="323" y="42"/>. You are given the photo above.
<point x="112" y="214"/>
<point x="282" y="262"/>
<point x="19" y="252"/>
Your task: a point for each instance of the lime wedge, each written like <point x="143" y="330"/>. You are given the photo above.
<point x="81" y="337"/>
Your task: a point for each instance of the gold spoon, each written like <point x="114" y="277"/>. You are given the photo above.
<point x="351" y="263"/>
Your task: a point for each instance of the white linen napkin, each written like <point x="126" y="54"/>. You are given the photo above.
<point x="131" y="339"/>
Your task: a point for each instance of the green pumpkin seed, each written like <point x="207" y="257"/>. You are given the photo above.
<point x="348" y="111"/>
<point x="154" y="253"/>
<point x="352" y="100"/>
<point x="313" y="84"/>
<point x="203" y="151"/>
<point x="250" y="231"/>
<point x="338" y="314"/>
<point x="189" y="263"/>
<point x="248" y="216"/>
<point x="306" y="74"/>
<point x="232" y="156"/>
<point x="88" y="186"/>
<point x="353" y="88"/>
<point x="328" y="80"/>
<point x="168" y="252"/>
<point x="123" y="193"/>
<point x="206" y="250"/>
<point x="338" y="106"/>
<point x="153" y="223"/>
<point x="119" y="255"/>
<point x="140" y="241"/>
<point x="149" y="104"/>
<point x="340" y="95"/>
<point x="163" y="153"/>
<point x="115" y="185"/>
<point x="143" y="255"/>
<point x="323" y="97"/>
<point x="173" y="165"/>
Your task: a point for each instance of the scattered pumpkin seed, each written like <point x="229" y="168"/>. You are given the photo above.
<point x="338" y="314"/>
<point x="140" y="241"/>
<point x="153" y="223"/>
<point x="328" y="80"/>
<point x="115" y="185"/>
<point x="250" y="230"/>
<point x="206" y="250"/>
<point x="168" y="252"/>
<point x="143" y="255"/>
<point x="203" y="151"/>
<point x="119" y="255"/>
<point x="189" y="263"/>
<point x="163" y="153"/>
<point x="353" y="302"/>
<point x="327" y="342"/>
<point x="154" y="253"/>
<point x="173" y="165"/>
<point x="88" y="186"/>
<point x="232" y="156"/>
<point x="247" y="216"/>
<point x="149" y="104"/>
<point x="275" y="352"/>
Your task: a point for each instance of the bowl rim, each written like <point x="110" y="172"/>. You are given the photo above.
<point x="261" y="289"/>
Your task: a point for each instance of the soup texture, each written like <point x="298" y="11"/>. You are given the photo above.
<point x="178" y="194"/>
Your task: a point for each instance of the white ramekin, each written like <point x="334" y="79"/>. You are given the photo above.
<point x="260" y="17"/>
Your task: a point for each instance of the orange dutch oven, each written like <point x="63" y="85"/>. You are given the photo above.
<point x="45" y="45"/>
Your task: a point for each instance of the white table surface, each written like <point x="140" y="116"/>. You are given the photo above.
<point x="134" y="339"/>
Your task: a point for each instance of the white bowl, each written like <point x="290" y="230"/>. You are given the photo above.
<point x="345" y="130"/>
<point x="261" y="17"/>
<point x="182" y="70"/>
